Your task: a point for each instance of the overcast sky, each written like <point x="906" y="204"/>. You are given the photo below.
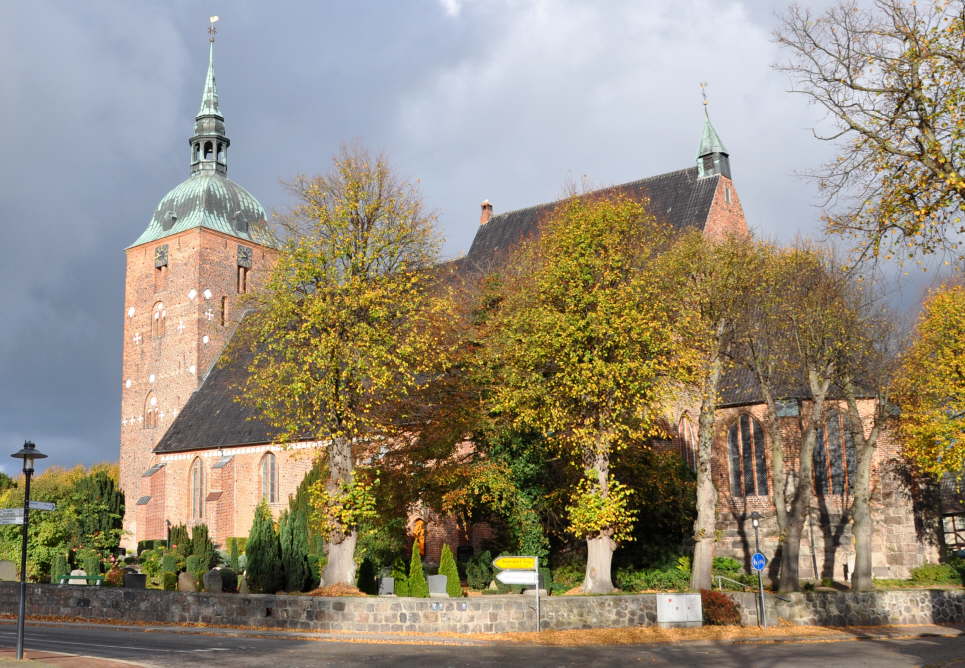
<point x="498" y="99"/>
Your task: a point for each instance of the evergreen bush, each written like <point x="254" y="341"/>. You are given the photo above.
<point x="169" y="581"/>
<point x="936" y="574"/>
<point x="233" y="554"/>
<point x="367" y="580"/>
<point x="196" y="566"/>
<point x="293" y="537"/>
<point x="447" y="567"/>
<point x="418" y="586"/>
<point x="90" y="561"/>
<point x="263" y="552"/>
<point x="169" y="562"/>
<point x="229" y="580"/>
<point x="59" y="567"/>
<point x="479" y="570"/>
<point x="400" y="578"/>
<point x="202" y="546"/>
<point x="180" y="541"/>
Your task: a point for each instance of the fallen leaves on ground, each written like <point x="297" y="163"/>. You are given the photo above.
<point x="336" y="590"/>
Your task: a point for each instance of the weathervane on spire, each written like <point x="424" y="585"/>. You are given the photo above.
<point x="212" y="31"/>
<point x="703" y="94"/>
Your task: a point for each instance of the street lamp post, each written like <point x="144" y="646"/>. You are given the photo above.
<point x="756" y="522"/>
<point x="28" y="454"/>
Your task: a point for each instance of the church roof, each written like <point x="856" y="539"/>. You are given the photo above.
<point x="678" y="198"/>
<point x="209" y="199"/>
<point x="710" y="141"/>
<point x="209" y="98"/>
<point x="212" y="418"/>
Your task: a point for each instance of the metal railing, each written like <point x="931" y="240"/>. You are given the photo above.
<point x="721" y="578"/>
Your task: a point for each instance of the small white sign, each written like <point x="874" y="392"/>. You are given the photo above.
<point x="11" y="515"/>
<point x="42" y="505"/>
<point x="517" y="577"/>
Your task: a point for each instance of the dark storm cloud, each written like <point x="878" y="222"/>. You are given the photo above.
<point x="500" y="100"/>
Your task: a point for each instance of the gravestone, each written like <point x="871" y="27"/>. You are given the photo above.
<point x="78" y="581"/>
<point x="186" y="582"/>
<point x="8" y="571"/>
<point x="213" y="582"/>
<point x="437" y="586"/>
<point x="386" y="586"/>
<point x="135" y="580"/>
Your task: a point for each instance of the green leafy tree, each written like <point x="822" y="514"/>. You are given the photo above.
<point x="447" y="567"/>
<point x="891" y="75"/>
<point x="99" y="525"/>
<point x="350" y="322"/>
<point x="263" y="552"/>
<point x="586" y="353"/>
<point x="418" y="586"/>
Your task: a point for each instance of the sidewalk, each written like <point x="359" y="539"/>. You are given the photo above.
<point x="8" y="657"/>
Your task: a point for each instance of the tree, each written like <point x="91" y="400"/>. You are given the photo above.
<point x="795" y="327"/>
<point x="930" y="387"/>
<point x="263" y="553"/>
<point x="447" y="567"/>
<point x="350" y="322"/>
<point x="418" y="586"/>
<point x="201" y="546"/>
<point x="711" y="279"/>
<point x="892" y="78"/>
<point x="586" y="351"/>
<point x="293" y="536"/>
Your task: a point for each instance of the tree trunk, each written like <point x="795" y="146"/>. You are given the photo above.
<point x="861" y="579"/>
<point x="340" y="567"/>
<point x="599" y="561"/>
<point x="705" y="526"/>
<point x="340" y="548"/>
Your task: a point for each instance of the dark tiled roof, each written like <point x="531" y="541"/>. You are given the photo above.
<point x="212" y="418"/>
<point x="679" y="198"/>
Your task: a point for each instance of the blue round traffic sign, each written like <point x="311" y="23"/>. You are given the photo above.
<point x="758" y="561"/>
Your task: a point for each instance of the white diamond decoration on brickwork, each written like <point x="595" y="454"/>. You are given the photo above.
<point x="209" y="314"/>
<point x="127" y="383"/>
<point x="131" y="312"/>
<point x="205" y="339"/>
<point x="137" y="337"/>
<point x="192" y="294"/>
<point x="207" y="294"/>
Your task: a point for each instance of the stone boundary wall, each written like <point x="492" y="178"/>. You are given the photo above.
<point x="482" y="614"/>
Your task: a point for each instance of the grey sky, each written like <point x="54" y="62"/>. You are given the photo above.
<point x="498" y="99"/>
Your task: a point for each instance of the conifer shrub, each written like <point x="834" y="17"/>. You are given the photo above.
<point x="169" y="581"/>
<point x="479" y="570"/>
<point x="229" y="580"/>
<point x="180" y="541"/>
<point x="90" y="561"/>
<point x="293" y="537"/>
<point x="447" y="567"/>
<point x="400" y="579"/>
<point x="58" y="567"/>
<point x="264" y="569"/>
<point x="202" y="546"/>
<point x="418" y="586"/>
<point x="719" y="608"/>
<point x="196" y="566"/>
<point x="169" y="562"/>
<point x="233" y="554"/>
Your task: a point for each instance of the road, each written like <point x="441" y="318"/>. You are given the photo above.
<point x="163" y="648"/>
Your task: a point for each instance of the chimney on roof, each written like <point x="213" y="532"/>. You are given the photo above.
<point x="487" y="212"/>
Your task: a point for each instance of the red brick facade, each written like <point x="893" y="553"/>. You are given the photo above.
<point x="726" y="215"/>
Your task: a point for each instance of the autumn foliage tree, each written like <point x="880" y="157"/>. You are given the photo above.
<point x="349" y="323"/>
<point x="930" y="388"/>
<point x="891" y="75"/>
<point x="585" y="352"/>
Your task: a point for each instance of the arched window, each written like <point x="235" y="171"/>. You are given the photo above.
<point x="419" y="535"/>
<point x="748" y="467"/>
<point x="834" y="456"/>
<point x="150" y="411"/>
<point x="688" y="440"/>
<point x="269" y="478"/>
<point x="208" y="150"/>
<point x="157" y="320"/>
<point x="197" y="489"/>
<point x="221" y="150"/>
<point x="196" y="155"/>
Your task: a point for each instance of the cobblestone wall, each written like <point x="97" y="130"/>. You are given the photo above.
<point x="484" y="614"/>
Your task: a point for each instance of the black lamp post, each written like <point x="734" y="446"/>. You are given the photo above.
<point x="28" y="454"/>
<point x="756" y="523"/>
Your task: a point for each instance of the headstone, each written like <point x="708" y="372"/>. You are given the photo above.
<point x="243" y="585"/>
<point x="135" y="580"/>
<point x="78" y="581"/>
<point x="386" y="586"/>
<point x="213" y="582"/>
<point x="8" y="571"/>
<point x="437" y="586"/>
<point x="186" y="582"/>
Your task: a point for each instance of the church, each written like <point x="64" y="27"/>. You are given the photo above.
<point x="190" y="453"/>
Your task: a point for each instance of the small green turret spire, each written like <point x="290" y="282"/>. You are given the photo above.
<point x="209" y="145"/>
<point x="712" y="156"/>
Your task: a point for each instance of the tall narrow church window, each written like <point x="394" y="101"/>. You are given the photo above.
<point x="224" y="310"/>
<point x="834" y="456"/>
<point x="150" y="411"/>
<point x="688" y="440"/>
<point x="269" y="478"/>
<point x="748" y="467"/>
<point x="197" y="489"/>
<point x="158" y="317"/>
<point x="820" y="463"/>
<point x="244" y="266"/>
<point x="727" y="194"/>
<point x="242" y="280"/>
<point x="161" y="266"/>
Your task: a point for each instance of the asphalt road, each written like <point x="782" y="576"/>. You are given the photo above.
<point x="187" y="649"/>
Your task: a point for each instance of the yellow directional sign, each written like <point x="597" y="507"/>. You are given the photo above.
<point x="516" y="563"/>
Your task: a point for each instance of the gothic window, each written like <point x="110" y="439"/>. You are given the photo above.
<point x="197" y="489"/>
<point x="158" y="317"/>
<point x="688" y="440"/>
<point x="748" y="468"/>
<point x="269" y="478"/>
<point x="161" y="265"/>
<point x="244" y="266"/>
<point x="834" y="456"/>
<point x="242" y="280"/>
<point x="150" y="411"/>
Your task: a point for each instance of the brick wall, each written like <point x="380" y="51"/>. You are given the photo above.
<point x="726" y="215"/>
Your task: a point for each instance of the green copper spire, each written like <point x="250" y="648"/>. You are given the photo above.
<point x="712" y="157"/>
<point x="209" y="98"/>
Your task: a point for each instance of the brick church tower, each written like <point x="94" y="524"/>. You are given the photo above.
<point x="207" y="244"/>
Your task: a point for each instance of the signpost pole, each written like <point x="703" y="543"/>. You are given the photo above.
<point x="537" y="594"/>
<point x="22" y="612"/>
<point x="761" y="617"/>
